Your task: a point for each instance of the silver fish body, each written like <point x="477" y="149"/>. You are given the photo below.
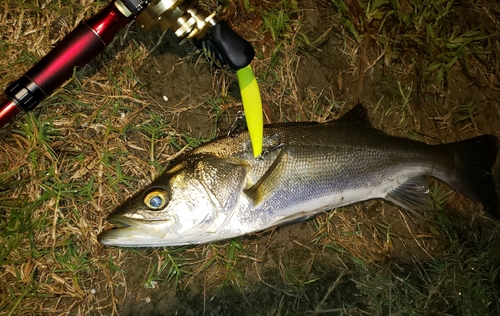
<point x="219" y="191"/>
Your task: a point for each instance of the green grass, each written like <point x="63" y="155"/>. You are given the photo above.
<point x="298" y="279"/>
<point x="467" y="113"/>
<point x="221" y="260"/>
<point x="169" y="268"/>
<point x="462" y="283"/>
<point x="278" y="24"/>
<point x="426" y="27"/>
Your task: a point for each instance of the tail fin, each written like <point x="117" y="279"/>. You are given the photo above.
<point x="474" y="160"/>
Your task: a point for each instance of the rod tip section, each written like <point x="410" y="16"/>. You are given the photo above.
<point x="252" y="105"/>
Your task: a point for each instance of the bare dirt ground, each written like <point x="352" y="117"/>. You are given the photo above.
<point x="307" y="267"/>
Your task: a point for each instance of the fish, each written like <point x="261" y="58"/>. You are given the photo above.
<point x="219" y="190"/>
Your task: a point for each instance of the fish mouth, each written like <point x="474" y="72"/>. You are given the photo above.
<point x="120" y="221"/>
<point x="128" y="232"/>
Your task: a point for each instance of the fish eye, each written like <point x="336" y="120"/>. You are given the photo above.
<point x="156" y="199"/>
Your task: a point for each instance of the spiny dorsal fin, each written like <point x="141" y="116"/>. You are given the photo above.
<point x="358" y="114"/>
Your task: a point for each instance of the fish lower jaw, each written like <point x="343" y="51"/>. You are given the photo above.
<point x="128" y="232"/>
<point x="131" y="237"/>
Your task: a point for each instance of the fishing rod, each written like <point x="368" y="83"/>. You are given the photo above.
<point x="92" y="36"/>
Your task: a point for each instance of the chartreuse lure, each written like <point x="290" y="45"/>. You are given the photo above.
<point x="252" y="105"/>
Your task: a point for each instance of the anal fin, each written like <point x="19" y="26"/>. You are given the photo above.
<point x="412" y="195"/>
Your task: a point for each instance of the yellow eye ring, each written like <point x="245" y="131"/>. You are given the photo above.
<point x="156" y="199"/>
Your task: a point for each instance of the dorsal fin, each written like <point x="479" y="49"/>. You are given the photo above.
<point x="358" y="114"/>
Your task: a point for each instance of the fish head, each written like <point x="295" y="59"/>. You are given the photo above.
<point x="185" y="205"/>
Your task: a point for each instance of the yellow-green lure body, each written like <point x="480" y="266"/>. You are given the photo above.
<point x="252" y="106"/>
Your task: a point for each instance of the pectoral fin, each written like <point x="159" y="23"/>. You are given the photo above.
<point x="271" y="179"/>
